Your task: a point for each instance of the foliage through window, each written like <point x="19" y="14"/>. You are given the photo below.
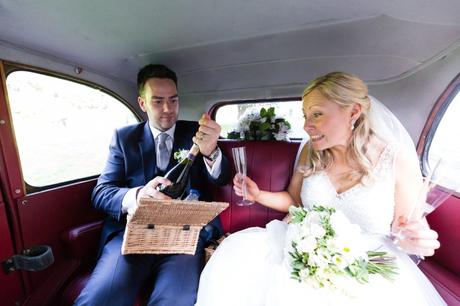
<point x="62" y="128"/>
<point x="229" y="115"/>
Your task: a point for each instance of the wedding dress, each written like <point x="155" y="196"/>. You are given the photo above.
<point x="250" y="267"/>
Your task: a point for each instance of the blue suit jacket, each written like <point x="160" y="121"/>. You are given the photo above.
<point x="132" y="163"/>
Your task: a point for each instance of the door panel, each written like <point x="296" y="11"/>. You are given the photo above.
<point x="11" y="284"/>
<point x="45" y="215"/>
<point x="37" y="218"/>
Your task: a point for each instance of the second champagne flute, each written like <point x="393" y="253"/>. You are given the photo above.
<point x="430" y="197"/>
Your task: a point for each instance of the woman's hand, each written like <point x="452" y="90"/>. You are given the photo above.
<point x="252" y="190"/>
<point x="417" y="238"/>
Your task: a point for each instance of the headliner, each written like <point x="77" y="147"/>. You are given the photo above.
<point x="387" y="39"/>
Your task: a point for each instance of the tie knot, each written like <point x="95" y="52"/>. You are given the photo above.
<point x="163" y="137"/>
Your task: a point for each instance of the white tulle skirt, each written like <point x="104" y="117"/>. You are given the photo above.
<point x="248" y="269"/>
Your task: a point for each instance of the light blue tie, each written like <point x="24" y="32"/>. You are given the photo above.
<point x="163" y="161"/>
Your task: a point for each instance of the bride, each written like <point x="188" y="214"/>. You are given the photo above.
<point x="359" y="160"/>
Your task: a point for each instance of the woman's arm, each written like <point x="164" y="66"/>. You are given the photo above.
<point x="418" y="237"/>
<point x="276" y="200"/>
<point x="409" y="183"/>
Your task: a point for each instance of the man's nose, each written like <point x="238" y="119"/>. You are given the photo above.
<point x="166" y="107"/>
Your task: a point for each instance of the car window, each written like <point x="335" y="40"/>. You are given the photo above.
<point x="62" y="128"/>
<point x="228" y="115"/>
<point x="445" y="143"/>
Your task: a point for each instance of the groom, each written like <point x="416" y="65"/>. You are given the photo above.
<point x="139" y="157"/>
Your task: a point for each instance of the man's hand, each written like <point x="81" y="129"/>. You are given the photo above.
<point x="150" y="190"/>
<point x="207" y="135"/>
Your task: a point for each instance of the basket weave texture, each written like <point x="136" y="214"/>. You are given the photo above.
<point x="167" y="227"/>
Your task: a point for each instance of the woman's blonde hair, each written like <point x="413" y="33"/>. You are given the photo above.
<point x="345" y="89"/>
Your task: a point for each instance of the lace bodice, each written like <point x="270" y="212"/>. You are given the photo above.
<point x="370" y="205"/>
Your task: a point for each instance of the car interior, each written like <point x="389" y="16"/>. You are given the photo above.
<point x="68" y="79"/>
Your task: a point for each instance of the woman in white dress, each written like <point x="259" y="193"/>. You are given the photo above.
<point x="355" y="163"/>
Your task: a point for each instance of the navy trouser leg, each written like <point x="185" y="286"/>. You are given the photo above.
<point x="116" y="278"/>
<point x="177" y="279"/>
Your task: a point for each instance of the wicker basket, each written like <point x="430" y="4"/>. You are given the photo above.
<point x="167" y="227"/>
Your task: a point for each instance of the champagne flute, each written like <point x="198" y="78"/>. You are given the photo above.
<point x="239" y="158"/>
<point x="432" y="194"/>
<point x="430" y="197"/>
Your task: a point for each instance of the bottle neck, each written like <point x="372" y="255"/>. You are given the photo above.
<point x="193" y="152"/>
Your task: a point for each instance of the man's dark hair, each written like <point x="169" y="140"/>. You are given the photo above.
<point x="154" y="71"/>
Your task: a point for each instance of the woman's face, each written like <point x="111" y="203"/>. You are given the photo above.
<point x="327" y="123"/>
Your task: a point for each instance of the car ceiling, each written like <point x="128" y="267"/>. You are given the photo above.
<point x="380" y="40"/>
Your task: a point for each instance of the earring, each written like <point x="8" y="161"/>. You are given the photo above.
<point x="352" y="125"/>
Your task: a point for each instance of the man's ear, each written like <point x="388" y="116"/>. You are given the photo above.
<point x="141" y="102"/>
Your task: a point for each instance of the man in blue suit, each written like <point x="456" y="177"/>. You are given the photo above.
<point x="139" y="157"/>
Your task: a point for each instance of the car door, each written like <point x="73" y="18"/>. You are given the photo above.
<point x="47" y="171"/>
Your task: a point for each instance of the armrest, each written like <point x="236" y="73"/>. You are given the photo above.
<point x="81" y="242"/>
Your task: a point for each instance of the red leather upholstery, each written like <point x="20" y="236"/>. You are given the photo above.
<point x="73" y="289"/>
<point x="270" y="164"/>
<point x="446" y="282"/>
<point x="80" y="240"/>
<point x="443" y="268"/>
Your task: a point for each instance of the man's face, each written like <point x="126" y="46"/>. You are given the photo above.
<point x="160" y="102"/>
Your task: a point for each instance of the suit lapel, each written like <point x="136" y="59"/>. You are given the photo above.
<point x="181" y="142"/>
<point x="148" y="155"/>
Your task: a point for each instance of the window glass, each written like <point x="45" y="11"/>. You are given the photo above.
<point x="229" y="115"/>
<point x="445" y="146"/>
<point x="62" y="128"/>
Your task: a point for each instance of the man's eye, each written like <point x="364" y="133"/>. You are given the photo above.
<point x="316" y="115"/>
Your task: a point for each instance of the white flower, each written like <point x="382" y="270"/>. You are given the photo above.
<point x="243" y="126"/>
<point x="180" y="155"/>
<point x="307" y="245"/>
<point x="313" y="217"/>
<point x="318" y="260"/>
<point x="317" y="230"/>
<point x="348" y="240"/>
<point x="294" y="233"/>
<point x="283" y="128"/>
<point x="339" y="222"/>
<point x="304" y="274"/>
<point x="280" y="136"/>
<point x="339" y="261"/>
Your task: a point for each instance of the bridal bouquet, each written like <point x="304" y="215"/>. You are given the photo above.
<point x="261" y="125"/>
<point x="327" y="249"/>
